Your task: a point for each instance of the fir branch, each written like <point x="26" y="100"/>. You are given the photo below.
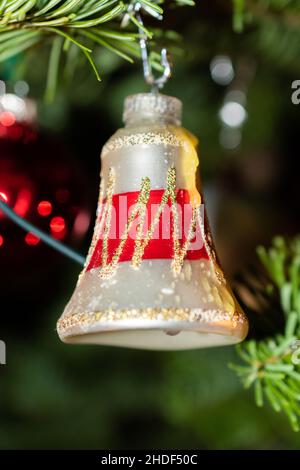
<point x="272" y="365"/>
<point x="27" y="23"/>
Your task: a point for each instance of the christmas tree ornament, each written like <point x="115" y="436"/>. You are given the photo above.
<point x="44" y="193"/>
<point x="151" y="278"/>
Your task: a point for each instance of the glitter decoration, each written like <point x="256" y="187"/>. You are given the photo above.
<point x="138" y="213"/>
<point x="108" y="269"/>
<point x="166" y="138"/>
<point x="170" y="315"/>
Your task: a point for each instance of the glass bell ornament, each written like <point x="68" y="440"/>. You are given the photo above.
<point x="151" y="278"/>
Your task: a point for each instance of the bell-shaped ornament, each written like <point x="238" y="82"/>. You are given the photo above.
<point x="151" y="278"/>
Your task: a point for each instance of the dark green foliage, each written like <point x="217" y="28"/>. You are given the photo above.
<point x="272" y="366"/>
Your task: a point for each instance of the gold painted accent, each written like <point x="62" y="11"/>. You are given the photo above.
<point x="166" y="138"/>
<point x="139" y="210"/>
<point x="107" y="214"/>
<point x="171" y="314"/>
<point x="141" y="240"/>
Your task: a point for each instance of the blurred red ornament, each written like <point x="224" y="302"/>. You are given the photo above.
<point x="37" y="179"/>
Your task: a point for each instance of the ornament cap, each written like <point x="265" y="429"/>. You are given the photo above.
<point x="152" y="106"/>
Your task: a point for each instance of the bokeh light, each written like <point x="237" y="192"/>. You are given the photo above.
<point x="57" y="224"/>
<point x="221" y="70"/>
<point x="7" y="118"/>
<point x="3" y="196"/>
<point x="44" y="208"/>
<point x="21" y="88"/>
<point x="233" y="114"/>
<point x="31" y="239"/>
<point x="82" y="223"/>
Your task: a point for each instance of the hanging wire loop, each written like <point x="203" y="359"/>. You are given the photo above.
<point x="159" y="82"/>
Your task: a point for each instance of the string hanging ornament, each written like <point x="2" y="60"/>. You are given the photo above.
<point x="152" y="279"/>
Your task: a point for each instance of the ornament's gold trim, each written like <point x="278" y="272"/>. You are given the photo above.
<point x="166" y="138"/>
<point x="194" y="316"/>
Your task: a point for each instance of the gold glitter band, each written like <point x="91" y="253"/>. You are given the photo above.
<point x="166" y="138"/>
<point x="193" y="316"/>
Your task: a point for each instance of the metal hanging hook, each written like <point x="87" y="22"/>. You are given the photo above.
<point x="159" y="82"/>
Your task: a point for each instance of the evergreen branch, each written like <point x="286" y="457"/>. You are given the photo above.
<point x="27" y="23"/>
<point x="104" y="43"/>
<point x="69" y="38"/>
<point x="53" y="69"/>
<point x="273" y="365"/>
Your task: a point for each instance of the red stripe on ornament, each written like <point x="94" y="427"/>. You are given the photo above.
<point x="160" y="246"/>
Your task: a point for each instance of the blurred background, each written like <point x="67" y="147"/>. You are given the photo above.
<point x="236" y="91"/>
